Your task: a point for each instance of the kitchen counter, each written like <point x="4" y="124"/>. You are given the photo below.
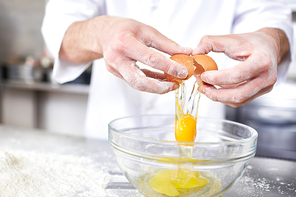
<point x="263" y="177"/>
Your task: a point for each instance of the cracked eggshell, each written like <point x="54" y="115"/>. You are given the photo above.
<point x="204" y="63"/>
<point x="185" y="60"/>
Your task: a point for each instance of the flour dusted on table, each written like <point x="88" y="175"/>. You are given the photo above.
<point x="30" y="174"/>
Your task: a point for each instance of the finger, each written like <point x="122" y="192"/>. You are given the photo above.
<point x="234" y="46"/>
<point x="229" y="86"/>
<point x="236" y="96"/>
<point x="246" y="70"/>
<point x="155" y="75"/>
<point x="153" y="38"/>
<point x="113" y="70"/>
<point x="260" y="93"/>
<point x="202" y="86"/>
<point x="211" y="43"/>
<point x="154" y="59"/>
<point x="158" y="76"/>
<point x="137" y="79"/>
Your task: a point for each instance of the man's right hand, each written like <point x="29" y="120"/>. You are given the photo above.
<point x="124" y="42"/>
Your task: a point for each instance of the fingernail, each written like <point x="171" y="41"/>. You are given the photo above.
<point x="201" y="89"/>
<point x="204" y="77"/>
<point x="182" y="73"/>
<point x="176" y="86"/>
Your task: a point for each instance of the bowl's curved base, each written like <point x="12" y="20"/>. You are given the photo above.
<point x="209" y="189"/>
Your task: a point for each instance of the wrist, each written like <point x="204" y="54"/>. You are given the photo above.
<point x="95" y="29"/>
<point x="82" y="41"/>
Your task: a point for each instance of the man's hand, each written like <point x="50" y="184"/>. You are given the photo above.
<point x="260" y="53"/>
<point x="124" y="42"/>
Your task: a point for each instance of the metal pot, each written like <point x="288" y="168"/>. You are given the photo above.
<point x="274" y="117"/>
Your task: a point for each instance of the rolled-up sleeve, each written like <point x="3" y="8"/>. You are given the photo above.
<point x="253" y="15"/>
<point x="59" y="15"/>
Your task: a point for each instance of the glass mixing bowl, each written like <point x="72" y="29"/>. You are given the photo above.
<point x="145" y="147"/>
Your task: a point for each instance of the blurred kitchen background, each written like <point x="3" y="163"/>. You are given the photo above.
<point x="30" y="99"/>
<point x="28" y="96"/>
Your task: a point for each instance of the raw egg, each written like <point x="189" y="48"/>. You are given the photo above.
<point x="182" y="181"/>
<point x="172" y="182"/>
<point x="185" y="125"/>
<point x="185" y="128"/>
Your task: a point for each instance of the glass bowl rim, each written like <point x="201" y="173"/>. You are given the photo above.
<point x="254" y="133"/>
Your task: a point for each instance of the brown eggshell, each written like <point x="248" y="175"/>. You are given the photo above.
<point x="204" y="63"/>
<point x="185" y="60"/>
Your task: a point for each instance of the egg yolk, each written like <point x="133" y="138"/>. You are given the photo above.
<point x="171" y="182"/>
<point x="185" y="128"/>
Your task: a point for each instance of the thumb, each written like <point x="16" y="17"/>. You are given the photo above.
<point x="160" y="42"/>
<point x="211" y="43"/>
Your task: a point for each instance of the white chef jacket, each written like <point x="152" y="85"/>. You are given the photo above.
<point x="184" y="21"/>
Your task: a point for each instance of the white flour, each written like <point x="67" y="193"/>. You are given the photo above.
<point x="31" y="174"/>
